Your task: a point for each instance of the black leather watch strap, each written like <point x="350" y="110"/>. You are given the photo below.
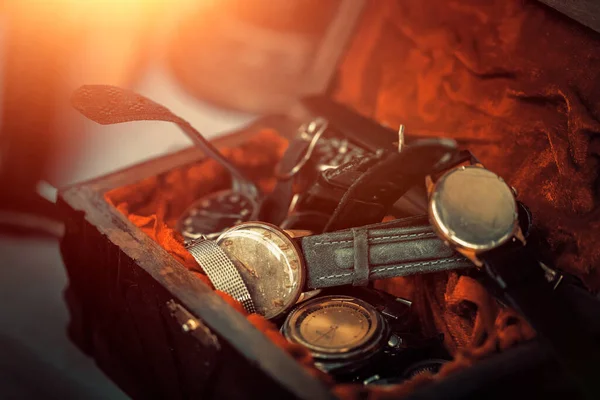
<point x="372" y="194"/>
<point x="397" y="248"/>
<point x="520" y="279"/>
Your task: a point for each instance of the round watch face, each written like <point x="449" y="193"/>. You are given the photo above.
<point x="473" y="208"/>
<point x="270" y="263"/>
<point x="214" y="213"/>
<point x="337" y="327"/>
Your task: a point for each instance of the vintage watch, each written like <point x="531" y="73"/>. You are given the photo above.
<point x="211" y="214"/>
<point x="343" y="333"/>
<point x="475" y="212"/>
<point x="278" y="265"/>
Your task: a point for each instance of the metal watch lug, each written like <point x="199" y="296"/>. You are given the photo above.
<point x="552" y="276"/>
<point x="304" y="296"/>
<point x="470" y="254"/>
<point x="519" y="235"/>
<point x="193" y="325"/>
<point x="297" y="233"/>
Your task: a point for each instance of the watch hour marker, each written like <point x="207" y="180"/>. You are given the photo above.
<point x="294" y="265"/>
<point x="284" y="247"/>
<point x="227" y="242"/>
<point x="278" y="302"/>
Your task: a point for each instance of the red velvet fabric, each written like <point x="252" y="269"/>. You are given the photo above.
<point x="514" y="81"/>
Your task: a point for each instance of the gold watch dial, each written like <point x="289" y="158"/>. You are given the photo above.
<point x="473" y="208"/>
<point x="334" y="325"/>
<point x="269" y="262"/>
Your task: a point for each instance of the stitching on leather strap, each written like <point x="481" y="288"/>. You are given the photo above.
<point x="333" y="276"/>
<point x="361" y="257"/>
<point x="420" y="264"/>
<point x="375" y="239"/>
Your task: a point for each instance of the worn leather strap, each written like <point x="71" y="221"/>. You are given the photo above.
<point x="372" y="194"/>
<point x="402" y="247"/>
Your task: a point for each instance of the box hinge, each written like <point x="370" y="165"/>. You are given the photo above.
<point x="193" y="325"/>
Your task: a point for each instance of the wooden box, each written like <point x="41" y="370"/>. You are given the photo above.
<point x="130" y="301"/>
<point x="495" y="76"/>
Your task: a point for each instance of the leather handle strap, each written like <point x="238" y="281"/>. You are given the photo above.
<point x="398" y="248"/>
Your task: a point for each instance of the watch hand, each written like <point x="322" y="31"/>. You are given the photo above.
<point x="252" y="271"/>
<point x="324" y="334"/>
<point x="332" y="336"/>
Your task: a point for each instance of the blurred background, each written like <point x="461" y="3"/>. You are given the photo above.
<point x="218" y="64"/>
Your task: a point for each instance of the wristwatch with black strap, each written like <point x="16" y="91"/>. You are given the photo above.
<point x="475" y="213"/>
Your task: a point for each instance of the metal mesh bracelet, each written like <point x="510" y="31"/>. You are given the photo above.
<point x="220" y="270"/>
